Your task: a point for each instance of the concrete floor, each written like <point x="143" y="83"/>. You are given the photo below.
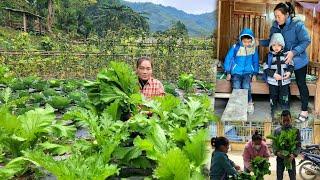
<point x="262" y="107"/>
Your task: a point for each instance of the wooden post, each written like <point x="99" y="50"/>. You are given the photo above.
<point x="317" y="96"/>
<point x="267" y="128"/>
<point x="316" y="131"/>
<point x="218" y="29"/>
<point x="24" y="22"/>
<point x="10" y="23"/>
<point x="50" y="15"/>
<point x="220" y="128"/>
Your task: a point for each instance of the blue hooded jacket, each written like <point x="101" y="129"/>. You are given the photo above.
<point x="296" y="38"/>
<point x="242" y="60"/>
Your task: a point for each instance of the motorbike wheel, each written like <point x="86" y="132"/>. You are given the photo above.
<point x="305" y="173"/>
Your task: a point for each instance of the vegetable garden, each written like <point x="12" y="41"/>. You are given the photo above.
<point x="64" y="114"/>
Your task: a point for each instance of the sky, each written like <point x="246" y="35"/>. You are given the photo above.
<point x="189" y="6"/>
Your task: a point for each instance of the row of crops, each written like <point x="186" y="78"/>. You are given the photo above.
<point x="63" y="57"/>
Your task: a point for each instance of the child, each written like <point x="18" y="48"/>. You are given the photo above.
<point x="221" y="166"/>
<point x="278" y="74"/>
<point x="242" y="64"/>
<point x="255" y="147"/>
<point x="286" y="126"/>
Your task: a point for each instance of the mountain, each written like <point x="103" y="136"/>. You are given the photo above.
<point x="161" y="18"/>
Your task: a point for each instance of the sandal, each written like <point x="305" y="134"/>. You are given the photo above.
<point x="301" y="119"/>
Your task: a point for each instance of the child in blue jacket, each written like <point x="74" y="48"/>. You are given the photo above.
<point x="242" y="64"/>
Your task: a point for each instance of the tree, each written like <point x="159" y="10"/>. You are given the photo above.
<point x="178" y="29"/>
<point x="50" y="15"/>
<point x="117" y="17"/>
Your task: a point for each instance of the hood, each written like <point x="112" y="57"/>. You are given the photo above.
<point x="277" y="38"/>
<point x="246" y="31"/>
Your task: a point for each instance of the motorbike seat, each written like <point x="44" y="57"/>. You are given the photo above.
<point x="313" y="146"/>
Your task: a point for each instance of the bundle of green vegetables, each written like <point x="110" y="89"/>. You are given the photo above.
<point x="285" y="144"/>
<point x="260" y="167"/>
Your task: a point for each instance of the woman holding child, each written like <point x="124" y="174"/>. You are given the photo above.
<point x="297" y="40"/>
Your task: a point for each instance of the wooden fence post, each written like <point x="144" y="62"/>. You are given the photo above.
<point x="317" y="96"/>
<point x="267" y="128"/>
<point x="316" y="131"/>
<point x="220" y="128"/>
<point x="24" y="22"/>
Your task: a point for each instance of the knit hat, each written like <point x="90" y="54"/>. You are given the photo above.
<point x="277" y="38"/>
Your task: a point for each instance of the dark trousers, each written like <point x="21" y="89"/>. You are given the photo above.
<point x="281" y="168"/>
<point x="281" y="95"/>
<point x="242" y="82"/>
<point x="300" y="75"/>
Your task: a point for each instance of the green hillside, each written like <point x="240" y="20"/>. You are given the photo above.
<point x="162" y="17"/>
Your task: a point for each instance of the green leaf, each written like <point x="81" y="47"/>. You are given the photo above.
<point x="158" y="137"/>
<point x="143" y="144"/>
<point x="127" y="153"/>
<point x="6" y="94"/>
<point x="13" y="167"/>
<point x="173" y="166"/>
<point x="55" y="148"/>
<point x="196" y="149"/>
<point x="180" y="134"/>
<point x="260" y="167"/>
<point x="74" y="167"/>
<point x="34" y="122"/>
<point x="113" y="110"/>
<point x="197" y="176"/>
<point x="61" y="130"/>
<point x="8" y="121"/>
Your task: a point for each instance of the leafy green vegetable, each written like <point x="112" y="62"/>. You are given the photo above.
<point x="24" y="131"/>
<point x="59" y="102"/>
<point x="169" y="88"/>
<point x="186" y="82"/>
<point x="54" y="83"/>
<point x="244" y="176"/>
<point x="50" y="92"/>
<point x="195" y="113"/>
<point x="74" y="167"/>
<point x="39" y="85"/>
<point x="37" y="98"/>
<point x="5" y="76"/>
<point x="174" y="165"/>
<point x="116" y="84"/>
<point x="260" y="167"/>
<point x="196" y="149"/>
<point x="286" y="144"/>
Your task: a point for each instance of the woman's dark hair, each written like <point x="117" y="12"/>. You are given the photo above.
<point x="144" y="58"/>
<point x="285" y="8"/>
<point x="216" y="142"/>
<point x="286" y="113"/>
<point x="256" y="136"/>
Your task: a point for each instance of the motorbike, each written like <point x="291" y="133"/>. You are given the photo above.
<point x="309" y="166"/>
<point x="312" y="149"/>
